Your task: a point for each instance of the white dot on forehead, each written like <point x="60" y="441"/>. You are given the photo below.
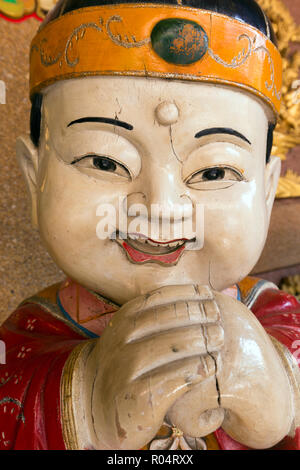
<point x="167" y="113"/>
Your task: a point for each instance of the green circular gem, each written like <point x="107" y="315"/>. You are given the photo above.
<point x="179" y="41"/>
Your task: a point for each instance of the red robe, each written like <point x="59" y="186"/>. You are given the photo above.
<point x="43" y="331"/>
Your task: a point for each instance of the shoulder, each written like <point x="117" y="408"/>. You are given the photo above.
<point x="40" y="315"/>
<point x="264" y="297"/>
<point x="253" y="288"/>
<point x="277" y="311"/>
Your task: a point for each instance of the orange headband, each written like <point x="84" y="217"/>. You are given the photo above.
<point x="156" y="41"/>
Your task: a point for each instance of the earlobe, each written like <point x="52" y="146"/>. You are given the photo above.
<point x="272" y="174"/>
<point x="27" y="156"/>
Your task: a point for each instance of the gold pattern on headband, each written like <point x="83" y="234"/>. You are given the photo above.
<point x="126" y="40"/>
<point x="287" y="133"/>
<point x="117" y="39"/>
<point x="243" y="56"/>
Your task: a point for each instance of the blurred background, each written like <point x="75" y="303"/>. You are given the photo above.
<point x="25" y="266"/>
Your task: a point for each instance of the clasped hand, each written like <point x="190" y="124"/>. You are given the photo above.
<point x="192" y="354"/>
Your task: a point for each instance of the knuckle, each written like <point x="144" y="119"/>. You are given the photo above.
<point x="195" y="311"/>
<point x="181" y="309"/>
<point x="204" y="292"/>
<point x="212" y="311"/>
<point x="205" y="311"/>
<point x="206" y="366"/>
<point x="215" y="337"/>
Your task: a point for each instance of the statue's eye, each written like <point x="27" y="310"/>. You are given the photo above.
<point x="214" y="178"/>
<point x="102" y="163"/>
<point x="214" y="174"/>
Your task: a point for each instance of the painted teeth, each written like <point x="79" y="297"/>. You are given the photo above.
<point x="173" y="244"/>
<point x="150" y="242"/>
<point x="138" y="238"/>
<point x="160" y="245"/>
<point x="133" y="237"/>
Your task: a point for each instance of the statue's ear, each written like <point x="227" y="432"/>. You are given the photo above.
<point x="272" y="174"/>
<point x="27" y="156"/>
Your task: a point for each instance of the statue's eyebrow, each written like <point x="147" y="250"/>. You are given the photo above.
<point x="221" y="130"/>
<point x="114" y="122"/>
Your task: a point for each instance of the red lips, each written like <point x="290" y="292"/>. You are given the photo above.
<point x="140" y="257"/>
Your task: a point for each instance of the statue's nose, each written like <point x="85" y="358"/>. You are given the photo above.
<point x="163" y="199"/>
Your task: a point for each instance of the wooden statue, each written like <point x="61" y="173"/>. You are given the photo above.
<point x="144" y="115"/>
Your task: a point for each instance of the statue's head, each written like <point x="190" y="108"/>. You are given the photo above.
<point x="163" y="110"/>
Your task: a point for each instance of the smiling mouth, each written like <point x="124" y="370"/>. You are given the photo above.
<point x="141" y="249"/>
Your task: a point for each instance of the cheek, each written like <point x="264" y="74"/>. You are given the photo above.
<point x="236" y="227"/>
<point x="68" y="204"/>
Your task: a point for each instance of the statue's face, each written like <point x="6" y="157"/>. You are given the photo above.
<point x="155" y="160"/>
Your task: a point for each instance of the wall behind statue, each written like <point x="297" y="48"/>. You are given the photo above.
<point x="25" y="266"/>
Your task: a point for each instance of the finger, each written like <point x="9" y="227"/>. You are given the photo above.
<point x="167" y="295"/>
<point x="171" y="381"/>
<point x="166" y="384"/>
<point x="178" y="315"/>
<point x="198" y="413"/>
<point x="156" y="393"/>
<point x="173" y="345"/>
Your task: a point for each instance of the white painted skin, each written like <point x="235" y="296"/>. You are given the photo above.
<point x="65" y="197"/>
<point x="168" y="323"/>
